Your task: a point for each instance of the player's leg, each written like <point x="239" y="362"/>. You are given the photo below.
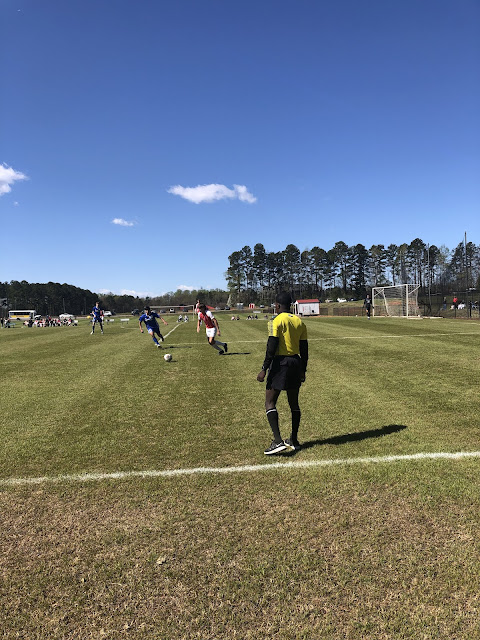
<point x="292" y="395"/>
<point x="211" y="333"/>
<point x="223" y="345"/>
<point x="271" y="397"/>
<point x="93" y="327"/>
<point x="157" y="331"/>
<point x="212" y="342"/>
<point x="152" y="333"/>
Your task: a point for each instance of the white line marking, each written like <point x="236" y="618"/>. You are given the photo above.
<point x="168" y="473"/>
<point x="171" y="331"/>
<point x="411" y="335"/>
<point x="372" y="337"/>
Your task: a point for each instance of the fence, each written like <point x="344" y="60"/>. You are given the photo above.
<point x="437" y="305"/>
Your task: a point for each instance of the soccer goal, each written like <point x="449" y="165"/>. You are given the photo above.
<point x="400" y="301"/>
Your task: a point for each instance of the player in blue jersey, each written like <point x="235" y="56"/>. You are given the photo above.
<point x="97" y="316"/>
<point x="149" y="317"/>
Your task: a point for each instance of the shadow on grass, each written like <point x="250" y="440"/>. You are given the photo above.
<point x="237" y="353"/>
<point x="355" y="437"/>
<point x="350" y="437"/>
<point x="176" y="346"/>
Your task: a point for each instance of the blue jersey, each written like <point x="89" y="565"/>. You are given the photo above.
<point x="150" y="319"/>
<point x="97" y="313"/>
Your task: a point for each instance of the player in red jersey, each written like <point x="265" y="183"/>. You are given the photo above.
<point x="212" y="328"/>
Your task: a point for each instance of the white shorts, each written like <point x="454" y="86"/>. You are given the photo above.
<point x="211" y="333"/>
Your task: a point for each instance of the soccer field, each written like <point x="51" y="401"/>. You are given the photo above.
<point x="137" y="502"/>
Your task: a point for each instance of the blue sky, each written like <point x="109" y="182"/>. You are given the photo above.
<point x="143" y="142"/>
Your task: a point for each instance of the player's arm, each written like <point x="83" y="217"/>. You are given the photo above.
<point x="215" y="322"/>
<point x="140" y="324"/>
<point x="304" y="355"/>
<point x="163" y="320"/>
<point x="199" y="322"/>
<point x="272" y="346"/>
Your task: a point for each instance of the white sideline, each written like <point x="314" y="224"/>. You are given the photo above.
<point x="171" y="331"/>
<point x="372" y="337"/>
<point x="168" y="473"/>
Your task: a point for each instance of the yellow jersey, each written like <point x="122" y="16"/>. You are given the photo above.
<point x="289" y="329"/>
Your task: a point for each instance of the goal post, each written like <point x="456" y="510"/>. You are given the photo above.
<point x="400" y="301"/>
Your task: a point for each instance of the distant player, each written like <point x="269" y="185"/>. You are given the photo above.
<point x="97" y="316"/>
<point x="286" y="360"/>
<point x="149" y="317"/>
<point x="212" y="328"/>
<point x="367" y="303"/>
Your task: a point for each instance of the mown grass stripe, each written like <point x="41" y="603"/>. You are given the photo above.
<point x="375" y="336"/>
<point x="293" y="465"/>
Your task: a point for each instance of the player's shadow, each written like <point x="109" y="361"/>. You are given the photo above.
<point x="237" y="353"/>
<point x="176" y="346"/>
<point x="351" y="437"/>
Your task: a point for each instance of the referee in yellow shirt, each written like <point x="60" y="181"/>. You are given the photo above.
<point x="286" y="361"/>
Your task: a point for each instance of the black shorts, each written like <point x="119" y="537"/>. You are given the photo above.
<point x="286" y="372"/>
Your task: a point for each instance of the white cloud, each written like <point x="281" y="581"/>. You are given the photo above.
<point x="7" y="177"/>
<point x="243" y="194"/>
<point x="122" y="222"/>
<point x="185" y="287"/>
<point x="212" y="192"/>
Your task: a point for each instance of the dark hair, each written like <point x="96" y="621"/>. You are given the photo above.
<point x="146" y="308"/>
<point x="284" y="298"/>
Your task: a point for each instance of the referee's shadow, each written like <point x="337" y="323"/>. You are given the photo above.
<point x="349" y="437"/>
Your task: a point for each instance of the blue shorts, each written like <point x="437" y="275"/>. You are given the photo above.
<point x="152" y="330"/>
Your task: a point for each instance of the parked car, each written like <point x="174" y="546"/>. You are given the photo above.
<point x="66" y="316"/>
<point x="135" y="312"/>
<point x="107" y="313"/>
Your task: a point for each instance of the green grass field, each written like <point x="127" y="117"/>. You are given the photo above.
<point x="357" y="545"/>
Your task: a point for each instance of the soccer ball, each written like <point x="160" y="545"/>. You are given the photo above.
<point x="167" y="357"/>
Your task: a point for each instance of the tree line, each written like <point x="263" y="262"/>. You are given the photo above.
<point x="257" y="275"/>
<point x="350" y="271"/>
<point x="54" y="299"/>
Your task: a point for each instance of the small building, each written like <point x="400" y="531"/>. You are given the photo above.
<point x="307" y="307"/>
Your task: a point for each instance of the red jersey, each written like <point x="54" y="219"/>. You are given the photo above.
<point x="207" y="318"/>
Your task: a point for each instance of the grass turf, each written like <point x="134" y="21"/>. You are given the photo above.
<point x="378" y="551"/>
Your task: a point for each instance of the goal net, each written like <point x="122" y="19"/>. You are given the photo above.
<point x="399" y="301"/>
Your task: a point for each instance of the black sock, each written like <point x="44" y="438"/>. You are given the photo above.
<point x="272" y="417"/>
<point x="296" y="415"/>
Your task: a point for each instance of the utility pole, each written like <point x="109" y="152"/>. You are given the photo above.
<point x="466" y="272"/>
